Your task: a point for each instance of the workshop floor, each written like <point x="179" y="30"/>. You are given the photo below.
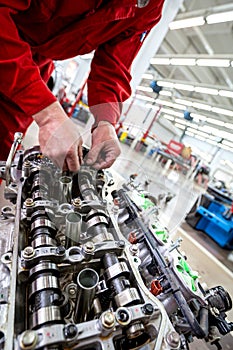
<point x="213" y="263"/>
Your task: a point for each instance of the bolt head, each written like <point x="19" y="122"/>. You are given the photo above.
<point x="148" y="309"/>
<point x="134" y="249"/>
<point x="70" y="331"/>
<point x="26" y="163"/>
<point x="108" y="319"/>
<point x="121" y="244"/>
<point x="29" y="339"/>
<point x="60" y="250"/>
<point x="28" y="251"/>
<point x="173" y="339"/>
<point x="29" y="202"/>
<point x="72" y="291"/>
<point x="77" y="202"/>
<point x="89" y="247"/>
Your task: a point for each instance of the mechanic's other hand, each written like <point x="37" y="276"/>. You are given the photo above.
<point x="59" y="137"/>
<point x="105" y="146"/>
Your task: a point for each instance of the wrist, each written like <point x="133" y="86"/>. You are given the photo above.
<point x="52" y="113"/>
<point x="101" y="123"/>
<point x="104" y="122"/>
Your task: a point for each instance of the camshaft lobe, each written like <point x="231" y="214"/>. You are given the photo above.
<point x="116" y="275"/>
<point x="44" y="294"/>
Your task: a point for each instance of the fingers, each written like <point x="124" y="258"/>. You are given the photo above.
<point x="62" y="144"/>
<point x="93" y="154"/>
<point x="80" y="153"/>
<point x="72" y="160"/>
<point x="105" y="160"/>
<point x="103" y="156"/>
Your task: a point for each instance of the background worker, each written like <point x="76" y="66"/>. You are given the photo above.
<point x="35" y="33"/>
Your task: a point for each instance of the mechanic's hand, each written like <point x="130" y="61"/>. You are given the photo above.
<point x="59" y="137"/>
<point x="105" y="146"/>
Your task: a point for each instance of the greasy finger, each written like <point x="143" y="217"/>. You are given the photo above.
<point x="72" y="160"/>
<point x="105" y="163"/>
<point x="65" y="166"/>
<point x="93" y="154"/>
<point x="80" y="154"/>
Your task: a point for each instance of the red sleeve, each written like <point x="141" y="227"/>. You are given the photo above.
<point x="109" y="80"/>
<point x="21" y="81"/>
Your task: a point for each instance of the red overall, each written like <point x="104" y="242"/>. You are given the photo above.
<point x="36" y="32"/>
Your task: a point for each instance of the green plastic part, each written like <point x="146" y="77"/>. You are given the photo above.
<point x="189" y="275"/>
<point x="147" y="203"/>
<point x="160" y="232"/>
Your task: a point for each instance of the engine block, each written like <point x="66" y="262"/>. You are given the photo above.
<point x="85" y="264"/>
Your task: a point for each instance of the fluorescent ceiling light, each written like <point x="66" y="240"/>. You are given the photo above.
<point x="225" y="93"/>
<point x="144" y="88"/>
<point x="194" y="126"/>
<point x="212" y="142"/>
<point x="155" y="108"/>
<point x="165" y="83"/>
<point x="183" y="61"/>
<point x="165" y="61"/>
<point x="215" y="121"/>
<point x="208" y="129"/>
<point x="184" y="102"/>
<point x="229" y="125"/>
<point x="228" y="143"/>
<point x="170" y="111"/>
<point x="184" y="87"/>
<point x="201" y="62"/>
<point x="220" y="17"/>
<point x="227" y="148"/>
<point x="210" y="62"/>
<point x="197" y="132"/>
<point x="202" y="106"/>
<point x="165" y="93"/>
<point x="222" y="111"/>
<point x="192" y="129"/>
<point x="189" y="133"/>
<point x="170" y="104"/>
<point x="198" y="116"/>
<point x="178" y="120"/>
<point x="200" y="89"/>
<point x="147" y="76"/>
<point x="169" y="117"/>
<point x="214" y="138"/>
<point x="186" y="23"/>
<point x="201" y="133"/>
<point x="224" y="134"/>
<point x="144" y="98"/>
<point x="205" y="90"/>
<point x="215" y="132"/>
<point x="199" y="137"/>
<point x="180" y="126"/>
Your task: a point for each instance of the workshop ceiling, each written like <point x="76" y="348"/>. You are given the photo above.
<point x="189" y="78"/>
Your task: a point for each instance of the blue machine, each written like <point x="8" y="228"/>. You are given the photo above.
<point x="214" y="218"/>
<point x="213" y="222"/>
